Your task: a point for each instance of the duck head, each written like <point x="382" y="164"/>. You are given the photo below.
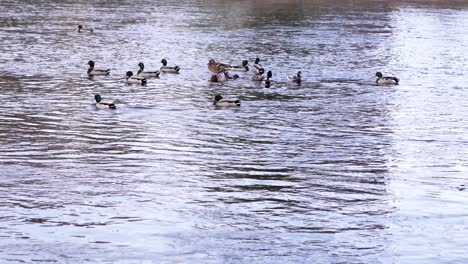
<point x="164" y="62"/>
<point x="244" y="63"/>
<point x="378" y="75"/>
<point x="261" y="71"/>
<point x="299" y="74"/>
<point x="269" y="74"/>
<point x="91" y="63"/>
<point x="257" y="60"/>
<point x="141" y="65"/>
<point x="218" y="97"/>
<point x="80" y="27"/>
<point x="97" y="97"/>
<point x="129" y="74"/>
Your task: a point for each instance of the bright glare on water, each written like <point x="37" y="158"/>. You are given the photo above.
<point x="336" y="170"/>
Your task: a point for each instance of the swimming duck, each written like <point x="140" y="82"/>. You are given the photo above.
<point x="168" y="69"/>
<point x="104" y="104"/>
<point x="219" y="101"/>
<point x="146" y="73"/>
<point x="258" y="76"/>
<point x="223" y="76"/>
<point x="92" y="71"/>
<point x="296" y="78"/>
<point x="217" y="67"/>
<point x="385" y="79"/>
<point x="243" y="67"/>
<point x="268" y="82"/>
<point x="82" y="29"/>
<point x="135" y="79"/>
<point x="219" y="77"/>
<point x="257" y="66"/>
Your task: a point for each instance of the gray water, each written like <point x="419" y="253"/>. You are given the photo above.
<point x="336" y="170"/>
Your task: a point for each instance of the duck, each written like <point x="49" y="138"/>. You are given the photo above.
<point x="219" y="77"/>
<point x="143" y="73"/>
<point x="104" y="104"/>
<point x="296" y="78"/>
<point x="257" y="66"/>
<point x="385" y="79"/>
<point x="217" y="67"/>
<point x="243" y="67"/>
<point x="220" y="101"/>
<point x="132" y="79"/>
<point x="92" y="71"/>
<point x="168" y="69"/>
<point x="268" y="82"/>
<point x="258" y="76"/>
<point x="223" y="76"/>
<point x="82" y="29"/>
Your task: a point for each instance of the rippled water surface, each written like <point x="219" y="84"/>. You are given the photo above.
<point x="336" y="170"/>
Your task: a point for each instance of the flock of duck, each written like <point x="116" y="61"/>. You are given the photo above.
<point x="220" y="73"/>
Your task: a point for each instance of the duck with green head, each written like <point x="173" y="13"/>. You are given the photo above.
<point x="132" y="79"/>
<point x="103" y="104"/>
<point x="168" y="69"/>
<point x="93" y="71"/>
<point x="143" y="73"/>
<point x="296" y="78"/>
<point x="268" y="82"/>
<point x="220" y="101"/>
<point x="383" y="80"/>
<point x="258" y="75"/>
<point x="257" y="66"/>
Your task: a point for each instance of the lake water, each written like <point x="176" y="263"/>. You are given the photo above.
<point x="336" y="170"/>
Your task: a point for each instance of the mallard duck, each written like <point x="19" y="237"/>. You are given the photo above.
<point x="257" y="66"/>
<point x="223" y="76"/>
<point x="135" y="79"/>
<point x="217" y="67"/>
<point x="104" y="104"/>
<point x="143" y="73"/>
<point x="168" y="69"/>
<point x="82" y="29"/>
<point x="258" y="76"/>
<point x="385" y="79"/>
<point x="243" y="67"/>
<point x="219" y="77"/>
<point x="296" y="78"/>
<point x="92" y="71"/>
<point x="219" y="101"/>
<point x="268" y="82"/>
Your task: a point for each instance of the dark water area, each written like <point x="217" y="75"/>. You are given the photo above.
<point x="336" y="170"/>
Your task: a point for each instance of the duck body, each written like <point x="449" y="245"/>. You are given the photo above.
<point x="258" y="75"/>
<point x="217" y="67"/>
<point x="268" y="81"/>
<point x="223" y="77"/>
<point x="143" y="73"/>
<point x="132" y="79"/>
<point x="93" y="71"/>
<point x="104" y="104"/>
<point x="296" y="78"/>
<point x="168" y="69"/>
<point x="385" y="80"/>
<point x="219" y="77"/>
<point x="241" y="68"/>
<point x="257" y="67"/>
<point x="220" y="101"/>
